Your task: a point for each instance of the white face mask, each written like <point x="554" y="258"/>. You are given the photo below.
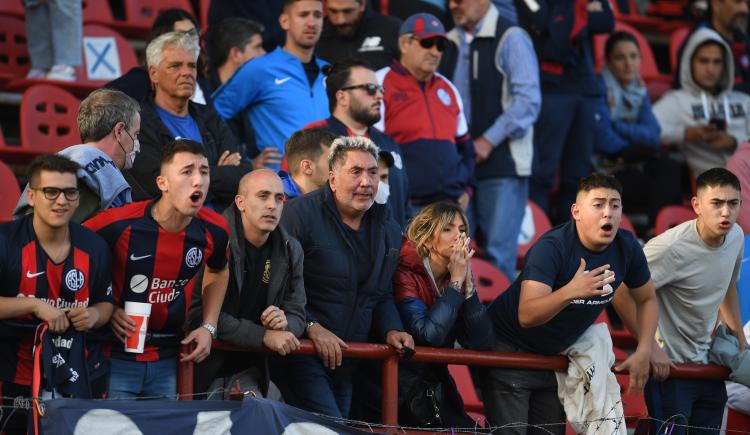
<point x="384" y="191"/>
<point x="130" y="157"/>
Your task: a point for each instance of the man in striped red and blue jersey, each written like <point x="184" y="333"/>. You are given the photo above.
<point x="157" y="249"/>
<point x="54" y="271"/>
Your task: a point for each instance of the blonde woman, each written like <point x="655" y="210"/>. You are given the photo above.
<point x="438" y="304"/>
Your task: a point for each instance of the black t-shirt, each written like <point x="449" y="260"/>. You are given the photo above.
<point x="361" y="242"/>
<point x="311" y="70"/>
<point x="554" y="260"/>
<point x="257" y="276"/>
<point x="253" y="300"/>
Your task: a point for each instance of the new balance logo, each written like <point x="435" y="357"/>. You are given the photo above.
<point x="282" y="81"/>
<point x="371" y="43"/>
<point x="33" y="275"/>
<point x="134" y="258"/>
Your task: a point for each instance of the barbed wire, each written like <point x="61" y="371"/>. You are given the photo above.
<point x="20" y="402"/>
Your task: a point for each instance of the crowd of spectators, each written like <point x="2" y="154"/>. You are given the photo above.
<point x="322" y="171"/>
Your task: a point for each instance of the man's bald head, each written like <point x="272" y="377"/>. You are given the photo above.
<point x="260" y="200"/>
<point x="250" y="179"/>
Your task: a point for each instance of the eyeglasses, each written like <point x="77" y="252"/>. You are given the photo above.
<point x="428" y="43"/>
<point x="371" y="88"/>
<point x="51" y="193"/>
<point x="194" y="32"/>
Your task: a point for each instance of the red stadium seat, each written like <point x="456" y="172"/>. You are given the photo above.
<point x="48" y="120"/>
<point x="649" y="70"/>
<point x="625" y="224"/>
<point x="104" y="52"/>
<point x="9" y="193"/>
<point x="535" y="223"/>
<point x="671" y="216"/>
<point x="462" y="377"/>
<point x="204" y="5"/>
<point x="142" y="13"/>
<point x="97" y="12"/>
<point x="633" y="405"/>
<point x="676" y="39"/>
<point x="737" y="421"/>
<point x="12" y="7"/>
<point x="489" y="280"/>
<point x="14" y="56"/>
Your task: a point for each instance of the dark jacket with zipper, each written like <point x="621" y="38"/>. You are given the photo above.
<point x="286" y="290"/>
<point x="217" y="138"/>
<point x="334" y="298"/>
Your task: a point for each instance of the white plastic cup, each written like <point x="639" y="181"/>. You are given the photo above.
<point x="139" y="313"/>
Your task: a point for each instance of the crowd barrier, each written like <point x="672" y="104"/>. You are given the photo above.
<point x="391" y="361"/>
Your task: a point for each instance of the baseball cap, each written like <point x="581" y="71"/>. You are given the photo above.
<point x="423" y="26"/>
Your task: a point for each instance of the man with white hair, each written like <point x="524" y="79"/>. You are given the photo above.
<point x="349" y="299"/>
<point x="168" y="115"/>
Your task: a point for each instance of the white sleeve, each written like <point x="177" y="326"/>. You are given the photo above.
<point x="380" y="77"/>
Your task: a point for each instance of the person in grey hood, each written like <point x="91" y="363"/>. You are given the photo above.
<point x="109" y="122"/>
<point x="705" y="118"/>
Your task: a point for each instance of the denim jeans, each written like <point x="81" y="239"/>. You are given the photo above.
<point x="130" y="379"/>
<point x="497" y="208"/>
<point x="700" y="401"/>
<point x="306" y="384"/>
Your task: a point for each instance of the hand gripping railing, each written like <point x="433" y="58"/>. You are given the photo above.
<point x="438" y="355"/>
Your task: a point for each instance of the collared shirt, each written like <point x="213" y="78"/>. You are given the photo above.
<point x="518" y="61"/>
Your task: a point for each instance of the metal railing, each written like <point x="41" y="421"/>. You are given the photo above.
<point x="390" y="360"/>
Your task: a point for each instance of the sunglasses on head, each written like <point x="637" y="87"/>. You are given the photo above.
<point x="371" y="88"/>
<point x="428" y="43"/>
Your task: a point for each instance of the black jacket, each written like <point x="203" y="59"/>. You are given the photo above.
<point x="333" y="296"/>
<point x="286" y="290"/>
<point x="217" y="138"/>
<point x="375" y="41"/>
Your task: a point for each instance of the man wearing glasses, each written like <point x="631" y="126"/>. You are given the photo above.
<point x="53" y="271"/>
<point x="354" y="97"/>
<point x="423" y="112"/>
<point x="109" y="122"/>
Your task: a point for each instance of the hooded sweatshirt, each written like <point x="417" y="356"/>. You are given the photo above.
<point x="692" y="105"/>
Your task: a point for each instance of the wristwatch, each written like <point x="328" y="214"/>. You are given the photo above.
<point x="211" y="329"/>
<point x="309" y="325"/>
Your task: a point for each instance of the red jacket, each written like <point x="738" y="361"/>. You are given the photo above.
<point x="411" y="279"/>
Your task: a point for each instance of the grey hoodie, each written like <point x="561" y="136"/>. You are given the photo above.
<point x="691" y="106"/>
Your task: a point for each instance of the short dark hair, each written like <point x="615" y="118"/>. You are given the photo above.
<point x="616" y="38"/>
<point x="717" y="177"/>
<point x="599" y="181"/>
<point x="164" y="22"/>
<point x="51" y="163"/>
<point x="288" y="3"/>
<point x="232" y="32"/>
<point x="306" y="144"/>
<point x="338" y="76"/>
<point x="180" y="146"/>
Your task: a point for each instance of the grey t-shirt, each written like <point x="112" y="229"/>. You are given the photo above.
<point x="691" y="280"/>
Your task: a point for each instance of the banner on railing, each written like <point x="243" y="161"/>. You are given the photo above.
<point x="167" y="417"/>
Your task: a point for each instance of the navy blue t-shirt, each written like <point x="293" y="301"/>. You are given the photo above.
<point x="181" y="127"/>
<point x="554" y="260"/>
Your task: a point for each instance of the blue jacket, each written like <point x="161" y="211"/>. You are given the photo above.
<point x="277" y="95"/>
<point x="562" y="32"/>
<point x="611" y="137"/>
<point x="334" y="297"/>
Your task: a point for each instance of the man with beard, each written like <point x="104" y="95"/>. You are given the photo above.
<point x="168" y="115"/>
<point x="352" y="30"/>
<point x="729" y="19"/>
<point x="158" y="247"/>
<point x="354" y="97"/>
<point x="283" y="90"/>
<point x="423" y="112"/>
